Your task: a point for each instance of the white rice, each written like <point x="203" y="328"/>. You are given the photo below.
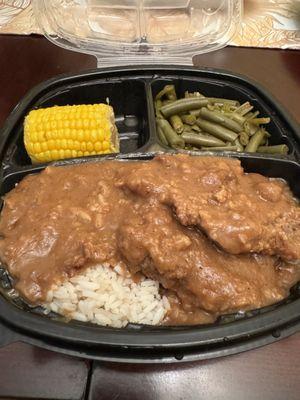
<point x="104" y="296"/>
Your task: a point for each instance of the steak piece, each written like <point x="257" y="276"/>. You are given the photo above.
<point x="184" y="261"/>
<point x="241" y="212"/>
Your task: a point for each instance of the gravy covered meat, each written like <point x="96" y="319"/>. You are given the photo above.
<point x="216" y="239"/>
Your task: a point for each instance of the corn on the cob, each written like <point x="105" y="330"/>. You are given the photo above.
<point x="60" y="132"/>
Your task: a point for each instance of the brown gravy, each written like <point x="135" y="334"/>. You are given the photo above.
<point x="155" y="216"/>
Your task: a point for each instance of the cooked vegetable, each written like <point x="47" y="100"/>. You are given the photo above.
<point x="277" y="149"/>
<point x="244" y="138"/>
<point x="60" y="132"/>
<point x="217" y="117"/>
<point x="260" y="121"/>
<point x="217" y="130"/>
<point x="158" y="105"/>
<point x="244" y="108"/>
<point x="204" y="123"/>
<point x="255" y="141"/>
<point x="189" y="119"/>
<point x="183" y="105"/>
<point x="168" y="91"/>
<point x="215" y="100"/>
<point x="199" y="140"/>
<point x="238" y="144"/>
<point x="161" y="135"/>
<point x="176" y="123"/>
<point x="171" y="136"/>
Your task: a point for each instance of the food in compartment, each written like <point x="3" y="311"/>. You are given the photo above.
<point x="61" y="132"/>
<point x="174" y="240"/>
<point x="197" y="122"/>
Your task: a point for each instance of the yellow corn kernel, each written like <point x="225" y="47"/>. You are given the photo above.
<point x="89" y="146"/>
<point x="68" y="153"/>
<point x="44" y="146"/>
<point x="98" y="146"/>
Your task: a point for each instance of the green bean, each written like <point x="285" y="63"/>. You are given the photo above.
<point x="189" y="119"/>
<point x="161" y="135"/>
<point x="167" y="89"/>
<point x="189" y="95"/>
<point x="238" y="145"/>
<point x="195" y="112"/>
<point x="196" y="128"/>
<point x="277" y="149"/>
<point x="173" y="139"/>
<point x="251" y="115"/>
<point x="176" y="123"/>
<point x="222" y="101"/>
<point x="217" y="117"/>
<point x="158" y="105"/>
<point x="187" y="128"/>
<point x="260" y="121"/>
<point x="250" y="129"/>
<point x="183" y="105"/>
<point x="236" y="117"/>
<point x="217" y="130"/>
<point x="221" y="148"/>
<point x="199" y="140"/>
<point x="166" y="102"/>
<point x="244" y="138"/>
<point x="255" y="141"/>
<point x="244" y="108"/>
<point x="171" y="95"/>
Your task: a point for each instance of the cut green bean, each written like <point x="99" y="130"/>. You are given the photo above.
<point x="183" y="105"/>
<point x="196" y="128"/>
<point x="196" y="113"/>
<point x="216" y="100"/>
<point x="244" y="108"/>
<point x="161" y="135"/>
<point x="255" y="141"/>
<point x="199" y="140"/>
<point x="171" y="136"/>
<point x="166" y="102"/>
<point x="189" y="95"/>
<point x="238" y="145"/>
<point x="217" y="130"/>
<point x="276" y="149"/>
<point x="158" y="105"/>
<point x="221" y="148"/>
<point x="260" y="121"/>
<point x="189" y="119"/>
<point x="176" y="123"/>
<point x="236" y="117"/>
<point x="217" y="117"/>
<point x="244" y="138"/>
<point x="250" y="128"/>
<point x="251" y="115"/>
<point x="166" y="90"/>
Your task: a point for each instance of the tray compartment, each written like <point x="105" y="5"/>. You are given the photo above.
<point x="225" y="88"/>
<point x="32" y="321"/>
<point x="126" y="96"/>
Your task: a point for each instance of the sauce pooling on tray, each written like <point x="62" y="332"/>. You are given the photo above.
<point x="217" y="240"/>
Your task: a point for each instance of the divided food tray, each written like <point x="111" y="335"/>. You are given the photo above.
<point x="130" y="91"/>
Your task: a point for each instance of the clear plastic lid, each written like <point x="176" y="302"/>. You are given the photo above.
<point x="139" y="31"/>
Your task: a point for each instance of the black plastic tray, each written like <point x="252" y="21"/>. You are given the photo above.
<point x="131" y="92"/>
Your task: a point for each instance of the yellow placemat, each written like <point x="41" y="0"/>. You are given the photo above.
<point x="269" y="23"/>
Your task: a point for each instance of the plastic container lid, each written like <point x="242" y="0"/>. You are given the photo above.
<point x="139" y="31"/>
